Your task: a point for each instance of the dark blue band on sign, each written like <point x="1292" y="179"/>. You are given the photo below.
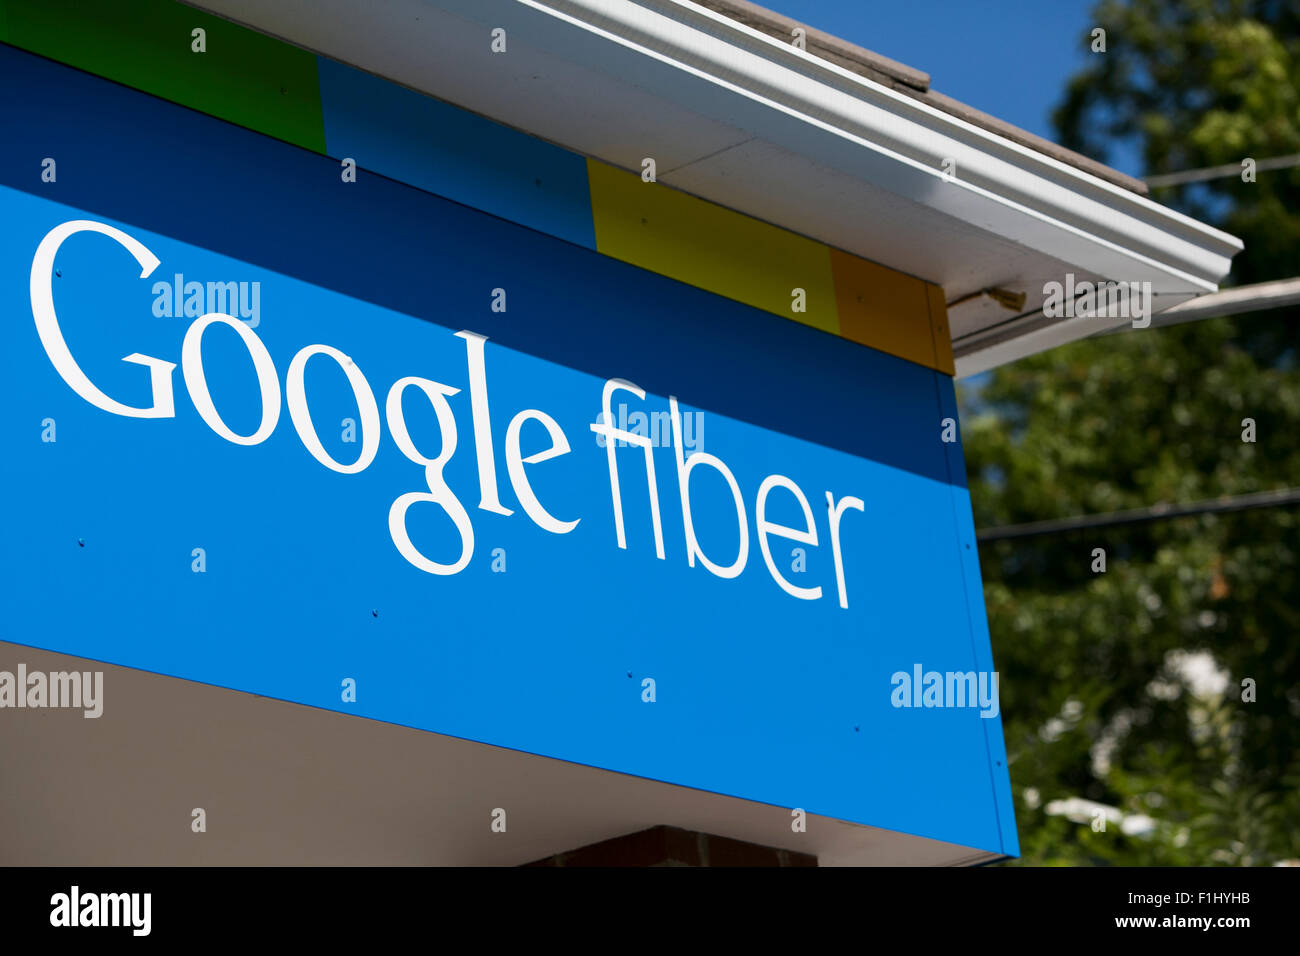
<point x="132" y="157"/>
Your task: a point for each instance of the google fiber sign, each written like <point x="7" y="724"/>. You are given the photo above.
<point x="363" y="448"/>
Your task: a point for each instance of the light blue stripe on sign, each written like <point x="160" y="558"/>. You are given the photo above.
<point x="451" y="152"/>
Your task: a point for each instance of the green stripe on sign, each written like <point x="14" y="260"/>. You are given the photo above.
<point x="244" y="77"/>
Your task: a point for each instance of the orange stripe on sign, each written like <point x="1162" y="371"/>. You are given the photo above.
<point x="942" y="333"/>
<point x="890" y="311"/>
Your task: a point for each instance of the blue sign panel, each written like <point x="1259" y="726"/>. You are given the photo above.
<point x="358" y="447"/>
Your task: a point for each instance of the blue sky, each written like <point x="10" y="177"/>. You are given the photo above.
<point x="1011" y="58"/>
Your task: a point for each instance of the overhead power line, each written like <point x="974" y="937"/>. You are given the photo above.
<point x="1257" y="297"/>
<point x="1246" y="298"/>
<point x="1220" y="172"/>
<point x="1282" y="497"/>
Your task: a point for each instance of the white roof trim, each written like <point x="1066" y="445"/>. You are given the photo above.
<point x="728" y="85"/>
<point x="1000" y="185"/>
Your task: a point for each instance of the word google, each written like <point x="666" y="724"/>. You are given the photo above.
<point x="438" y="493"/>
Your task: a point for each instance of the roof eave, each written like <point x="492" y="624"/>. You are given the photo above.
<point x="883" y="148"/>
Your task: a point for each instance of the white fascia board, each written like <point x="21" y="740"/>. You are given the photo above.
<point x="1034" y="334"/>
<point x="733" y="73"/>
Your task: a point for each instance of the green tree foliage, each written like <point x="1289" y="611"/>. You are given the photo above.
<point x="1125" y="687"/>
<point x="1200" y="83"/>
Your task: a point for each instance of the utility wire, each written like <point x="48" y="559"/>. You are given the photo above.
<point x="1220" y="172"/>
<point x="1243" y="298"/>
<point x="1282" y="497"/>
<point x="1257" y="297"/>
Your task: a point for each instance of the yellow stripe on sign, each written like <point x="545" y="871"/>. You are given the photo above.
<point x="710" y="247"/>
